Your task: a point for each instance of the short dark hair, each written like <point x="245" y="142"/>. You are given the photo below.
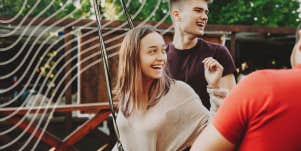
<point x="173" y="3"/>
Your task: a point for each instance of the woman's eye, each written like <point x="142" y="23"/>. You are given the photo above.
<point x="152" y="51"/>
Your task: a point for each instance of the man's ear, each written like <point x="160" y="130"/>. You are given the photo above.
<point x="176" y="15"/>
<point x="296" y="53"/>
<point x="299" y="33"/>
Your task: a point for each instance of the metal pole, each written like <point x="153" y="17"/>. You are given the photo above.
<point x="104" y="58"/>
<point x="128" y="16"/>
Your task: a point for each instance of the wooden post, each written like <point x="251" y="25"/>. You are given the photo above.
<point x="68" y="93"/>
<point x="233" y="46"/>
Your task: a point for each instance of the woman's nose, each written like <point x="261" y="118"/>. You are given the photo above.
<point x="161" y="56"/>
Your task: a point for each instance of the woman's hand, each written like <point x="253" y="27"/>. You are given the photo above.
<point x="213" y="71"/>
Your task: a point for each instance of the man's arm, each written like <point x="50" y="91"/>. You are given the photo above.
<point x="227" y="82"/>
<point x="211" y="140"/>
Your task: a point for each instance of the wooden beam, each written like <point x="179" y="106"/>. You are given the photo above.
<point x="47" y="137"/>
<point x="60" y="108"/>
<point x="50" y="21"/>
<point x="233" y="47"/>
<point x="211" y="27"/>
<point x="83" y="130"/>
<point x="69" y="141"/>
<point x="247" y="28"/>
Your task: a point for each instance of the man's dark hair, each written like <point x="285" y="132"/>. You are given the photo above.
<point x="173" y="3"/>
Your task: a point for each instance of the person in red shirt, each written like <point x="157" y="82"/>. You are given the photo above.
<point x="261" y="114"/>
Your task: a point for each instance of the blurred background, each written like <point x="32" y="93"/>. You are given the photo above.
<point x="52" y="83"/>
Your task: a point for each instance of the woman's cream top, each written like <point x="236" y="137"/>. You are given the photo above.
<point x="172" y="124"/>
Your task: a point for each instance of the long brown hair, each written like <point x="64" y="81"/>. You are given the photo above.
<point x="129" y="88"/>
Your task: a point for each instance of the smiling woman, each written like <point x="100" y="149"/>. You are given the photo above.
<point x="140" y="82"/>
<point x="152" y="57"/>
<point x="155" y="111"/>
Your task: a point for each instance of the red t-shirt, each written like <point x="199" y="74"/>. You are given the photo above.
<point x="263" y="113"/>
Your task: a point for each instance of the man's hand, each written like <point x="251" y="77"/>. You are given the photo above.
<point x="213" y="71"/>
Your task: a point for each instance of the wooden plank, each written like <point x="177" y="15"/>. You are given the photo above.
<point x="83" y="130"/>
<point x="69" y="141"/>
<point x="211" y="27"/>
<point x="60" y="108"/>
<point x="63" y="23"/>
<point x="92" y="80"/>
<point x="247" y="28"/>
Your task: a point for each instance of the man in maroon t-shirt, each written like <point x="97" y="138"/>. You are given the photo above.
<point x="186" y="52"/>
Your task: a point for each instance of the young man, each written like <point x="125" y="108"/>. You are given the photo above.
<point x="187" y="51"/>
<point x="262" y="113"/>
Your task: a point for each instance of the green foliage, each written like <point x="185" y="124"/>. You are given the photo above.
<point x="35" y="7"/>
<point x="244" y="12"/>
<point x="154" y="10"/>
<point x="257" y="12"/>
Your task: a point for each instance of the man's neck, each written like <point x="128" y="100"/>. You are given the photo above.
<point x="184" y="41"/>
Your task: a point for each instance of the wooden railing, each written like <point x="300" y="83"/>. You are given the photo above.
<point x="102" y="113"/>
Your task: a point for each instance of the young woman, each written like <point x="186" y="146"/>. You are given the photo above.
<point x="155" y="111"/>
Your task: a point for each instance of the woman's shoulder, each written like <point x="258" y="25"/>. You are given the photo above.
<point x="181" y="84"/>
<point x="184" y="97"/>
<point x="183" y="88"/>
